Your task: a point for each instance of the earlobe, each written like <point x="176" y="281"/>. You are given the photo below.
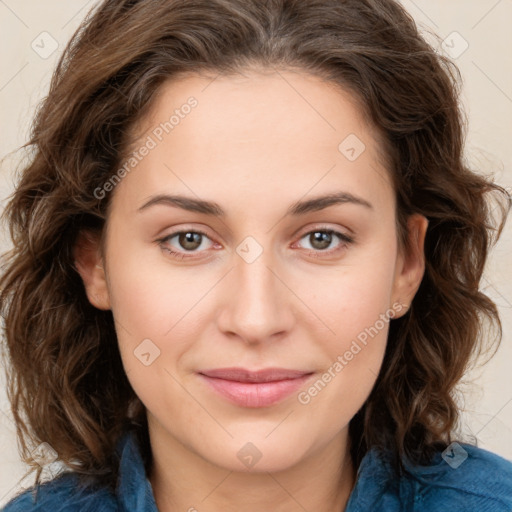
<point x="411" y="262"/>
<point x="88" y="263"/>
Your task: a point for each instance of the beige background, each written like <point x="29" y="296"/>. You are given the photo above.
<point x="29" y="31"/>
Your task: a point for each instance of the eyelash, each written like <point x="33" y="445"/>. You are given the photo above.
<point x="345" y="239"/>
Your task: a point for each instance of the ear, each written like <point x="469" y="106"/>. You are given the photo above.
<point x="89" y="265"/>
<point x="410" y="266"/>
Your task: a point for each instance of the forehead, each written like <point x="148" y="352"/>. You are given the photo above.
<point x="260" y="132"/>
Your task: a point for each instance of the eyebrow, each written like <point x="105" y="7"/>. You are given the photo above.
<point x="211" y="208"/>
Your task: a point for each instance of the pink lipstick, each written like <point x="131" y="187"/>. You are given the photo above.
<point x="260" y="388"/>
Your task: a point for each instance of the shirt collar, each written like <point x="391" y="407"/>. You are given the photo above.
<point x="134" y="491"/>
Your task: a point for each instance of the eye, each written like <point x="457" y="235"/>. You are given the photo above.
<point x="191" y="241"/>
<point x="321" y="239"/>
<point x="187" y="241"/>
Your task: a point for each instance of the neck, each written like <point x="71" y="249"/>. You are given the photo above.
<point x="183" y="480"/>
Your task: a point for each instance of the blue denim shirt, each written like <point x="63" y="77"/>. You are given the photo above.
<point x="463" y="478"/>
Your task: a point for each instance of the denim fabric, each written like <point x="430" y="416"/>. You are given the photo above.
<point x="482" y="482"/>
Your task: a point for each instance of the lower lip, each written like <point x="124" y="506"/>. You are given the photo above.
<point x="255" y="394"/>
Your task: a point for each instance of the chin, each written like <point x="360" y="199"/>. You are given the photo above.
<point x="257" y="455"/>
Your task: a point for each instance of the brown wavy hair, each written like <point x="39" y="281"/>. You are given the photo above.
<point x="66" y="382"/>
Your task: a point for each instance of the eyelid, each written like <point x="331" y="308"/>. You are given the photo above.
<point x="185" y="230"/>
<point x="345" y="241"/>
<point x="325" y="227"/>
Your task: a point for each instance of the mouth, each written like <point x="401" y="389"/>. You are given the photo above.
<point x="260" y="388"/>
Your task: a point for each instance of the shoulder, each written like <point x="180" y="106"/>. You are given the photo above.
<point x="466" y="476"/>
<point x="63" y="494"/>
<point x="461" y="478"/>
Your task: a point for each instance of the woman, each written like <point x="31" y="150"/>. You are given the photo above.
<point x="246" y="265"/>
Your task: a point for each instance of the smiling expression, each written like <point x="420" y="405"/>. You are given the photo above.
<point x="258" y="233"/>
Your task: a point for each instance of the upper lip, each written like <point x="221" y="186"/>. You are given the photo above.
<point x="263" y="375"/>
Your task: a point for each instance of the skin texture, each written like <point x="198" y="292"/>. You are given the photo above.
<point x="255" y="144"/>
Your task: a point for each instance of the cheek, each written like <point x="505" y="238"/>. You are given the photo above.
<point x="356" y="305"/>
<point x="144" y="308"/>
<point x="352" y="298"/>
<point x="358" y="316"/>
<point x="150" y="296"/>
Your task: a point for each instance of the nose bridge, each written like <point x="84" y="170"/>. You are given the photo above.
<point x="257" y="306"/>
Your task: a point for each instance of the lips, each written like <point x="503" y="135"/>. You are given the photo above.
<point x="265" y="375"/>
<point x="260" y="388"/>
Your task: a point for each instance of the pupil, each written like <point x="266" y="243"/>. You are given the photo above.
<point x="322" y="237"/>
<point x="190" y="240"/>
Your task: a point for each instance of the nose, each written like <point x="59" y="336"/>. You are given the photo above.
<point x="258" y="306"/>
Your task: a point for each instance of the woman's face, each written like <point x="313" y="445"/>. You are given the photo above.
<point x="269" y="276"/>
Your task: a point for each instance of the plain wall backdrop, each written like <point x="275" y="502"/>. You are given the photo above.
<point x="476" y="35"/>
